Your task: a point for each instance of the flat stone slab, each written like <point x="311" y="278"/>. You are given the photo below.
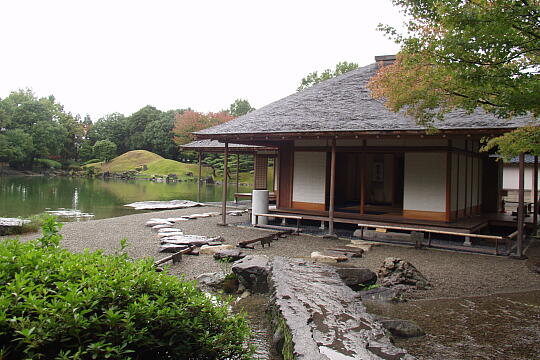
<point x="13" y="222"/>
<point x="160" y="205"/>
<point x="325" y="317"/>
<point x="210" y="250"/>
<point x="70" y="213"/>
<point x="231" y="255"/>
<point x="196" y="240"/>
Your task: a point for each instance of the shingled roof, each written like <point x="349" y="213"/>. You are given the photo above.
<point x="217" y="147"/>
<point x="344" y="104"/>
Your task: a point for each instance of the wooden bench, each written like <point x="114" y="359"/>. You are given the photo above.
<point x="271" y="196"/>
<point x="420" y="231"/>
<point x="279" y="216"/>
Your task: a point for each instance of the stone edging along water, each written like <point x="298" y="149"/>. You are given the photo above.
<point x="314" y="313"/>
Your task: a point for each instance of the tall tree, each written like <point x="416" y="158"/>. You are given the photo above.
<point x="104" y="150"/>
<point x="240" y="107"/>
<point x="112" y="127"/>
<point x="15" y="147"/>
<point x="191" y="121"/>
<point x="464" y="54"/>
<point x="136" y="124"/>
<point x="314" y="77"/>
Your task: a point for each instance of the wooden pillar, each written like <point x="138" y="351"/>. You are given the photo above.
<point x="332" y="190"/>
<point x="521" y="201"/>
<point x="535" y="192"/>
<point x="273" y="174"/>
<point x="225" y="172"/>
<point x="237" y="171"/>
<point x="199" y="179"/>
<point x="363" y="179"/>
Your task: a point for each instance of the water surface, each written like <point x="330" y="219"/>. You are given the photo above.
<point x="28" y="195"/>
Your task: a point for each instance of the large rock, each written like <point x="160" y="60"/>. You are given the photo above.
<point x="230" y="255"/>
<point x="210" y="281"/>
<point x="253" y="272"/>
<point x="403" y="328"/>
<point x="383" y="294"/>
<point x="324" y="318"/>
<point x="357" y="278"/>
<point x="396" y="271"/>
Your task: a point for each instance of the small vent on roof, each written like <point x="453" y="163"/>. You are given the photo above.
<point x="384" y="60"/>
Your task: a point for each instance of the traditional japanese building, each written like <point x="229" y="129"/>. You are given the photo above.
<point x="344" y="157"/>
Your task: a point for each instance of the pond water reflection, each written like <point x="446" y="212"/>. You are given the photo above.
<point x="28" y="195"/>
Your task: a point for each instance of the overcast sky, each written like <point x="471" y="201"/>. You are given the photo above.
<point x="98" y="57"/>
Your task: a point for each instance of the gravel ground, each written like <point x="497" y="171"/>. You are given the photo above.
<point x="452" y="274"/>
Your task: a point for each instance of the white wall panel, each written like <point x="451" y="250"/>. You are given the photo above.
<point x="309" y="177"/>
<point x="425" y="182"/>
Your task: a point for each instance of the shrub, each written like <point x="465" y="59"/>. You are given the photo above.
<point x="48" y="164"/>
<point x="71" y="165"/>
<point x="92" y="161"/>
<point x="55" y="304"/>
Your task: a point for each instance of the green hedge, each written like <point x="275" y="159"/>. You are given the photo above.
<point x="55" y="304"/>
<point x="48" y="163"/>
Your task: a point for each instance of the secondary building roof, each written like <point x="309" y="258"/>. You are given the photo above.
<point x="344" y="104"/>
<point x="214" y="146"/>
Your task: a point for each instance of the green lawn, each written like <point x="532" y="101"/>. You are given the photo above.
<point x="157" y="165"/>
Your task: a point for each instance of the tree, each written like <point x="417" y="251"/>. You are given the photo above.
<point x="104" y="150"/>
<point x="15" y="147"/>
<point x="112" y="127"/>
<point x="86" y="151"/>
<point x="464" y="54"/>
<point x="137" y="122"/>
<point x="48" y="138"/>
<point x="314" y="78"/>
<point x="240" y="107"/>
<point x="191" y="121"/>
<point x="158" y="136"/>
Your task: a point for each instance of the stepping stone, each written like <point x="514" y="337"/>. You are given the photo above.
<point x="196" y="240"/>
<point x="317" y="256"/>
<point x="168" y="230"/>
<point x="232" y="255"/>
<point x="176" y="219"/>
<point x="210" y="250"/>
<point x="172" y="247"/>
<point x="153" y="224"/>
<point x="167" y="234"/>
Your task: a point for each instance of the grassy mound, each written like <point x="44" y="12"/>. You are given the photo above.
<point x="155" y="165"/>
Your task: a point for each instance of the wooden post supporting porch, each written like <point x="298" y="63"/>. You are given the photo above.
<point x="521" y="203"/>
<point x="199" y="180"/>
<point x="331" y="233"/>
<point x="237" y="170"/>
<point x="535" y="192"/>
<point x="225" y="172"/>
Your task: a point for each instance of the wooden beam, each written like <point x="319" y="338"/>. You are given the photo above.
<point x="535" y="192"/>
<point x="332" y="189"/>
<point x="225" y="172"/>
<point x="175" y="257"/>
<point x="521" y="203"/>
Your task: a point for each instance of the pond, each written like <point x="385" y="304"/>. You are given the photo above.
<point x="23" y="196"/>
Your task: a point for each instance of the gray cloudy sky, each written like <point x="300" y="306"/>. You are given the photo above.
<point x="99" y="57"/>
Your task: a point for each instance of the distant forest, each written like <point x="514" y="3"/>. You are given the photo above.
<point x="38" y="132"/>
